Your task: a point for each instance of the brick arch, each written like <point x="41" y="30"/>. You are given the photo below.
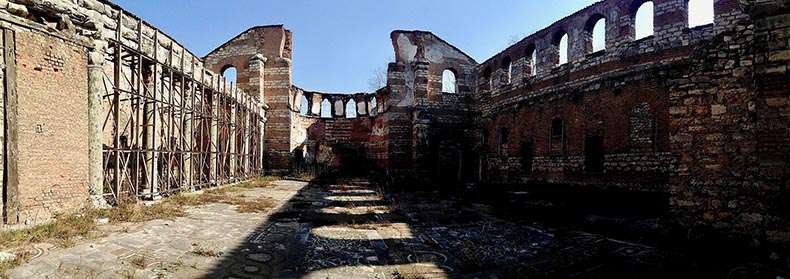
<point x="589" y="28"/>
<point x="556" y="40"/>
<point x="531" y="65"/>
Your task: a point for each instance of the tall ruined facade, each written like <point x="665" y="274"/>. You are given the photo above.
<point x="99" y="105"/>
<point x="696" y="116"/>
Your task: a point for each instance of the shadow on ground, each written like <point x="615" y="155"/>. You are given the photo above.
<point x="350" y="228"/>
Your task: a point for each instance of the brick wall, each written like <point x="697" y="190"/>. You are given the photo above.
<point x="52" y="120"/>
<point x="272" y="84"/>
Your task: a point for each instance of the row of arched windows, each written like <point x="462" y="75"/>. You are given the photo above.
<point x="326" y="108"/>
<point x="700" y="12"/>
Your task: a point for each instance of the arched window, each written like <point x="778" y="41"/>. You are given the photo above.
<point x="531" y="55"/>
<point x="305" y="106"/>
<point x="643" y="20"/>
<point x="449" y="84"/>
<point x="561" y="44"/>
<point x="700" y="12"/>
<point x="596" y="28"/>
<point x="373" y="108"/>
<point x="326" y="109"/>
<point x="351" y="109"/>
<point x="229" y="72"/>
<point x="507" y="67"/>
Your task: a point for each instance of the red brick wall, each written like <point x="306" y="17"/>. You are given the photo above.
<point x="53" y="161"/>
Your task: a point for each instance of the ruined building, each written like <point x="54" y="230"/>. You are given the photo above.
<point x="699" y="117"/>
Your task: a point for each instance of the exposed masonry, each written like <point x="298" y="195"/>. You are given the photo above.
<point x="78" y="130"/>
<point x="700" y="115"/>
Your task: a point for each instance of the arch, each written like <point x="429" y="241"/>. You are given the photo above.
<point x="700" y="12"/>
<point x="560" y="42"/>
<point x="531" y="57"/>
<point x="557" y="136"/>
<point x="351" y="109"/>
<point x="230" y="73"/>
<point x="643" y="15"/>
<point x="326" y="108"/>
<point x="557" y="128"/>
<point x="305" y="106"/>
<point x="449" y="81"/>
<point x="507" y="67"/>
<point x="595" y="28"/>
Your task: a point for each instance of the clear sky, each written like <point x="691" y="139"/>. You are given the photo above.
<point x="338" y="45"/>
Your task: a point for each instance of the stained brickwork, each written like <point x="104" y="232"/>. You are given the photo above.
<point x="271" y="83"/>
<point x="53" y="117"/>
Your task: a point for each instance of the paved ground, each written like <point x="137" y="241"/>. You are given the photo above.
<point x="348" y="230"/>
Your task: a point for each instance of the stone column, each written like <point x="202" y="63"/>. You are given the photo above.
<point x="257" y="63"/>
<point x="95" y="121"/>
<point x="234" y="129"/>
<point x="189" y="136"/>
<point x="216" y="95"/>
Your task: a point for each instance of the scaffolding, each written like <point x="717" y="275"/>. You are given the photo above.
<point x="170" y="125"/>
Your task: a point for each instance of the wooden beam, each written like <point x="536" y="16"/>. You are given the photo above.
<point x="11" y="179"/>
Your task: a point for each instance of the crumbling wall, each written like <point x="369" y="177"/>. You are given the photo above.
<point x="269" y="81"/>
<point x="731" y="130"/>
<point x="611" y="107"/>
<point x="427" y="129"/>
<point x="341" y="141"/>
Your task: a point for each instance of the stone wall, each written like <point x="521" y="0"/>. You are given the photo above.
<point x="619" y="96"/>
<point x="731" y="129"/>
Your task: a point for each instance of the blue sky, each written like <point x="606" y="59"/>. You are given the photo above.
<point x="338" y="45"/>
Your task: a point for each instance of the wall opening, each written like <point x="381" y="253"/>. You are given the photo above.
<point x="596" y="28"/>
<point x="643" y="20"/>
<point x="507" y="68"/>
<point x="700" y="12"/>
<point x="305" y="106"/>
<point x="351" y="109"/>
<point x="373" y="107"/>
<point x="326" y="109"/>
<point x="556" y="135"/>
<point x="449" y="84"/>
<point x="561" y="45"/>
<point x="594" y="154"/>
<point x="527" y="156"/>
<point x="230" y="73"/>
<point x="531" y="56"/>
<point x="504" y="138"/>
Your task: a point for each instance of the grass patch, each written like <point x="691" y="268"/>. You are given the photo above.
<point x="63" y="232"/>
<point x="200" y="251"/>
<point x="259" y="182"/>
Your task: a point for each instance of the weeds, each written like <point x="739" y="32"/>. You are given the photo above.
<point x="139" y="262"/>
<point x="66" y="230"/>
<point x="200" y="251"/>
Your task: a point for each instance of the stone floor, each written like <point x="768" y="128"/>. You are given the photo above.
<point x="350" y="230"/>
